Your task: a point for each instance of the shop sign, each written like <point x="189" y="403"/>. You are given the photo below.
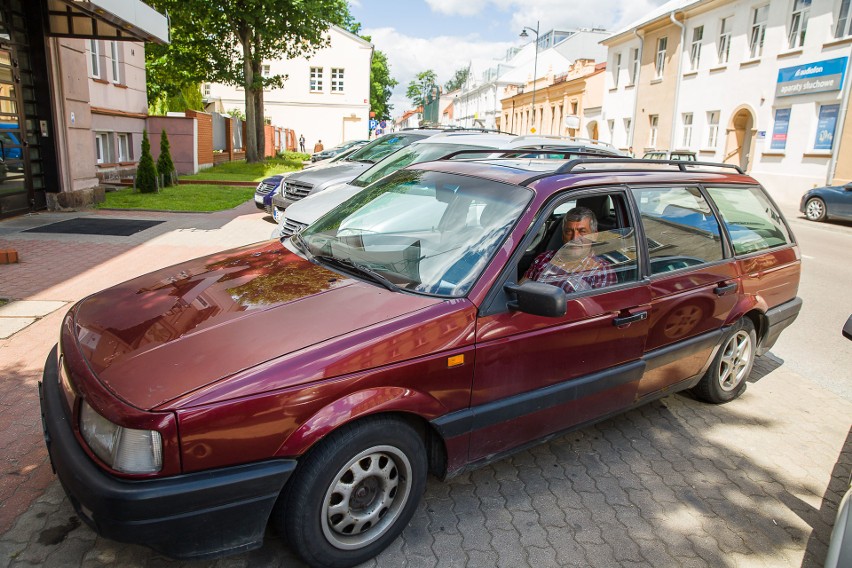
<point x="817" y="77"/>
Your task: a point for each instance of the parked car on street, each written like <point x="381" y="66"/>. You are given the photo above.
<point x="302" y="213"/>
<point x="419" y="340"/>
<point x="332" y="152"/>
<point x="682" y="155"/>
<point x="829" y="202"/>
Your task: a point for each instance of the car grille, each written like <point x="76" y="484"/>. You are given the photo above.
<point x="288" y="228"/>
<point x="296" y="190"/>
<point x="265" y="188"/>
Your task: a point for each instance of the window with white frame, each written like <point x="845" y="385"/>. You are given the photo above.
<point x="316" y="79"/>
<point x="724" y="40"/>
<point x="265" y="71"/>
<point x="336" y="80"/>
<point x="844" y="21"/>
<point x="634" y="68"/>
<point x="799" y="23"/>
<point x="95" y="57"/>
<point x="611" y="125"/>
<point x="103" y="148"/>
<point x="757" y="35"/>
<point x="115" y="61"/>
<point x="686" y="119"/>
<point x="660" y="63"/>
<point x="206" y="89"/>
<point x="654" y="121"/>
<point x="712" y="128"/>
<point x="627" y="123"/>
<point x="124" y="147"/>
<point x="616" y="70"/>
<point x="695" y="48"/>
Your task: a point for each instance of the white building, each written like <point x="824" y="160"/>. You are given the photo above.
<point x="478" y="102"/>
<point x="764" y="85"/>
<point x="325" y="97"/>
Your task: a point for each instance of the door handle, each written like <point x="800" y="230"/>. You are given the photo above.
<point x="721" y="290"/>
<point x="638" y="316"/>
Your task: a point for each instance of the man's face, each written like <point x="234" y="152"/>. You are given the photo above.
<point x="579" y="236"/>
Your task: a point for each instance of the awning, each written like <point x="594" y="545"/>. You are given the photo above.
<point x="117" y="20"/>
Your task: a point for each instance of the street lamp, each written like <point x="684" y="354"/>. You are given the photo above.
<point x="525" y="35"/>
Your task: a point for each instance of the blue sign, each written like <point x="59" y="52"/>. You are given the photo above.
<point x="373" y="123"/>
<point x="779" y="131"/>
<point x="825" y="127"/>
<point x="811" y="78"/>
<point x="383" y="124"/>
<point x="379" y="131"/>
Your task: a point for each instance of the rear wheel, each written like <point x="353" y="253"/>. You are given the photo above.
<point x="726" y="378"/>
<point x="353" y="495"/>
<point x="815" y="209"/>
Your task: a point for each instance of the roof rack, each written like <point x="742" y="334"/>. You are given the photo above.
<point x="515" y="153"/>
<point x="682" y="165"/>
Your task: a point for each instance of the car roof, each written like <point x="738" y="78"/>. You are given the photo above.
<point x="549" y="176"/>
<point x="473" y="138"/>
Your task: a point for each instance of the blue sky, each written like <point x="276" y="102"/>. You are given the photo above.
<point x="446" y="35"/>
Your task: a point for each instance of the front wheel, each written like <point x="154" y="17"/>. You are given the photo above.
<point x="354" y="494"/>
<point x="815" y="209"/>
<point x="726" y="378"/>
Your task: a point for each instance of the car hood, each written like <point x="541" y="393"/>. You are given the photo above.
<point x="171" y="332"/>
<point x="316" y="205"/>
<point x="338" y="172"/>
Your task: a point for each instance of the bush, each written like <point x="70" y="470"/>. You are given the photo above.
<point x="146" y="171"/>
<point x="165" y="166"/>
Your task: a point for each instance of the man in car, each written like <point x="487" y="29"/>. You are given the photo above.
<point x="573" y="267"/>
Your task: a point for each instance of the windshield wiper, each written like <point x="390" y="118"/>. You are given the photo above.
<point x="366" y="161"/>
<point x="349" y="265"/>
<point x="300" y="243"/>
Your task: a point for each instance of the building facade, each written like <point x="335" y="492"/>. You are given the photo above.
<point x="763" y="85"/>
<point x="325" y="97"/>
<point x="72" y="96"/>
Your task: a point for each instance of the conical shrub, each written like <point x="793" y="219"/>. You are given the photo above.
<point x="146" y="171"/>
<point x="165" y="165"/>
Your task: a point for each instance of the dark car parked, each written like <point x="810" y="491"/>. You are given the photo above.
<point x="179" y="416"/>
<point x="332" y="152"/>
<point x="829" y="202"/>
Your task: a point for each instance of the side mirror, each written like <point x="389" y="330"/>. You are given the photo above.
<point x="848" y="186"/>
<point x="847" y="329"/>
<point x="538" y="299"/>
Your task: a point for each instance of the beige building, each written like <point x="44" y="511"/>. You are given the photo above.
<point x="72" y="96"/>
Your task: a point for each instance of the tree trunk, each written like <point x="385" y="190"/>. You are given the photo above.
<point x="251" y="111"/>
<point x="260" y="132"/>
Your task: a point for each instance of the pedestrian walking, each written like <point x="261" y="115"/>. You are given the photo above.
<point x="302" y="143"/>
<point x="318" y="147"/>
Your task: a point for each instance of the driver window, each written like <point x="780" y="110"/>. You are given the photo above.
<point x="584" y="243"/>
<point x="680" y="228"/>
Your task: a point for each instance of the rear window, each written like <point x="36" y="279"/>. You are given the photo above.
<point x="751" y="219"/>
<point x="381" y="147"/>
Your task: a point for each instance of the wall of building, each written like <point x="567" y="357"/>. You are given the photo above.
<point x="182" y="132"/>
<point x="655" y="96"/>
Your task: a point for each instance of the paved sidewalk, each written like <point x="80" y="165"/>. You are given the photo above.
<point x="755" y="482"/>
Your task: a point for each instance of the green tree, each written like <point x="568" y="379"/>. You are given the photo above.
<point x="419" y="87"/>
<point x="146" y="171"/>
<point x="165" y="165"/>
<point x="458" y="79"/>
<point x="228" y="40"/>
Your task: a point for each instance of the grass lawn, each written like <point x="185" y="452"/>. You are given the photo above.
<point x="241" y="171"/>
<point x="180" y="198"/>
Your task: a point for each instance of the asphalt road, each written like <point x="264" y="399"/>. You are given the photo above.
<point x="814" y="346"/>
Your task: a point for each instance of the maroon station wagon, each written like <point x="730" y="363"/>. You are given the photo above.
<point x="315" y="383"/>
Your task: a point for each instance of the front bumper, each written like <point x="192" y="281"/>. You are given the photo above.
<point x="196" y="515"/>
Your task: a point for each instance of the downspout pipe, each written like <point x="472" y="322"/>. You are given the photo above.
<point x="641" y="36"/>
<point x="677" y="78"/>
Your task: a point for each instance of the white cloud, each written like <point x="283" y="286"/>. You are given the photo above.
<point x="458" y="7"/>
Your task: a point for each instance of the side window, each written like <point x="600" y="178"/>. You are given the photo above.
<point x="753" y="223"/>
<point x="584" y="244"/>
<point x="680" y="228"/>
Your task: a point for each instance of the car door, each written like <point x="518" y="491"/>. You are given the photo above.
<point x="538" y="375"/>
<point x="693" y="282"/>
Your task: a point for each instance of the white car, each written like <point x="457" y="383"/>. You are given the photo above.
<point x="304" y="212"/>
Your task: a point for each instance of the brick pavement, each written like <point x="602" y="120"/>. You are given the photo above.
<point x="675" y="483"/>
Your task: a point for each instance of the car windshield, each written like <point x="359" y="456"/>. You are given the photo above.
<point x="420" y="231"/>
<point x="381" y="147"/>
<point x="414" y="154"/>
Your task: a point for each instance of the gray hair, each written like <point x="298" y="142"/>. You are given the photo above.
<point x="577" y="214"/>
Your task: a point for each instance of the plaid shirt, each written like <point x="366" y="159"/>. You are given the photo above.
<point x="591" y="272"/>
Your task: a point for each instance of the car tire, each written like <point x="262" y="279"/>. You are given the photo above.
<point x="725" y="379"/>
<point x="815" y="209"/>
<point x="351" y="496"/>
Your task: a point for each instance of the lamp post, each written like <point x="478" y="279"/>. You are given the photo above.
<point x="524" y="34"/>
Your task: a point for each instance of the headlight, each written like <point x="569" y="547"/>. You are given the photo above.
<point x="123" y="449"/>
